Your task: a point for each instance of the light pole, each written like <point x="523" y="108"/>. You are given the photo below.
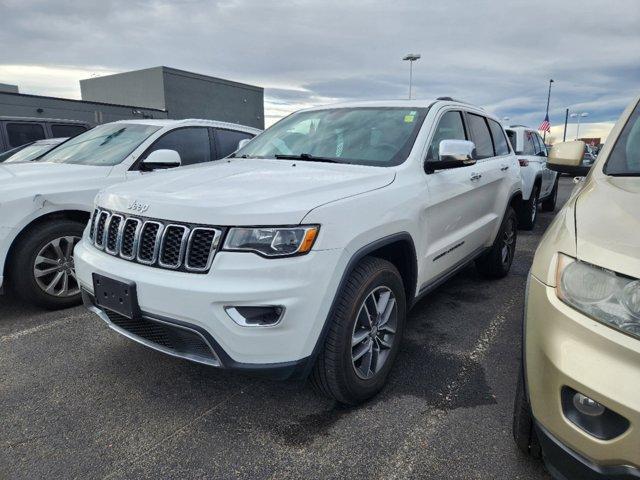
<point x="580" y="117"/>
<point x="547" y="112"/>
<point x="411" y="57"/>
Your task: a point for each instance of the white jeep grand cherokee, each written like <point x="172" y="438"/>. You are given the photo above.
<point x="45" y="204"/>
<point x="539" y="183"/>
<point x="303" y="253"/>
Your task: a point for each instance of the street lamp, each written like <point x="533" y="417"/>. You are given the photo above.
<point x="411" y="57"/>
<point x="580" y="117"/>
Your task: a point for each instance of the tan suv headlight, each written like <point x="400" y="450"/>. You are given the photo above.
<point x="604" y="295"/>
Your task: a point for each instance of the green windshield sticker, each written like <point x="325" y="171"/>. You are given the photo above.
<point x="409" y="118"/>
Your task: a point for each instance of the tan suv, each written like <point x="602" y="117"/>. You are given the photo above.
<point x="578" y="397"/>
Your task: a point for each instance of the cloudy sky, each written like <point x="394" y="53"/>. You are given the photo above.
<point x="499" y="54"/>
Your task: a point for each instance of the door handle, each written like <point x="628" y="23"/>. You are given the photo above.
<point x="475" y="176"/>
<point x="504" y="168"/>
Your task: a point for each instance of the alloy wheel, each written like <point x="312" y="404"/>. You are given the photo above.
<point x="508" y="241"/>
<point x="374" y="332"/>
<point x="534" y="206"/>
<point x="53" y="268"/>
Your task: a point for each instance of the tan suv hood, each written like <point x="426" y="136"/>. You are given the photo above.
<point x="608" y="224"/>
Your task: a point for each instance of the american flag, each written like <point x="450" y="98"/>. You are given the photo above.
<point x="545" y="126"/>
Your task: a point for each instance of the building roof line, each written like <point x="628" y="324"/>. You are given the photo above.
<point x="138" y="107"/>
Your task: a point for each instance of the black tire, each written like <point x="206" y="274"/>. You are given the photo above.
<point x="549" y="204"/>
<point x="494" y="264"/>
<point x="21" y="274"/>
<point x="528" y="213"/>
<point x="524" y="433"/>
<point x="335" y="372"/>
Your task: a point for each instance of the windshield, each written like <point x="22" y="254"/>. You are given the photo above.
<point x="624" y="159"/>
<point x="26" y="154"/>
<point x="364" y="136"/>
<point x="106" y="145"/>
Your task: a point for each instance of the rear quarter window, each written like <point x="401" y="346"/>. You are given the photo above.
<point x="21" y="133"/>
<point x="499" y="140"/>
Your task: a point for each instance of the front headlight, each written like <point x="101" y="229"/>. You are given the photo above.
<point x="599" y="293"/>
<point x="272" y="241"/>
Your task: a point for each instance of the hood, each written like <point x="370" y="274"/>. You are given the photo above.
<point x="245" y="191"/>
<point x="608" y="224"/>
<point x="40" y="178"/>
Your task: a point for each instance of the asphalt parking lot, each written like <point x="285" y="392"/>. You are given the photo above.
<point x="79" y="401"/>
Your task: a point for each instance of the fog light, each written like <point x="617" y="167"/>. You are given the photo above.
<point x="587" y="406"/>
<point x="591" y="416"/>
<point x="266" y="316"/>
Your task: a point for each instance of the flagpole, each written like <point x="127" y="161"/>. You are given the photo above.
<point x="548" y="100"/>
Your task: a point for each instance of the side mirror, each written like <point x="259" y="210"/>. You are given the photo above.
<point x="566" y="157"/>
<point x="452" y="154"/>
<point x="161" y="159"/>
<point x="243" y="142"/>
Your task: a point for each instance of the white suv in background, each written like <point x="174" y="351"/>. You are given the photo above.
<point x="45" y="204"/>
<point x="303" y="253"/>
<point x="539" y="184"/>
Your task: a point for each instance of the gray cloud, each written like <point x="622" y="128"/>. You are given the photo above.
<point x="497" y="54"/>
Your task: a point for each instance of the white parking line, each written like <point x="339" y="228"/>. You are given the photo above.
<point x="29" y="331"/>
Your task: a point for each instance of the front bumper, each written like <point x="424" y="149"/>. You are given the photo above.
<point x="564" y="348"/>
<point x="304" y="286"/>
<point x="565" y="464"/>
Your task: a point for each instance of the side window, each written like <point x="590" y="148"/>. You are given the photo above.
<point x="227" y="141"/>
<point x="450" y="127"/>
<point x="481" y="136"/>
<point x="529" y="147"/>
<point x="192" y="143"/>
<point x="513" y="139"/>
<point x="542" y="146"/>
<point x="21" y="133"/>
<point x="60" y="130"/>
<point x="499" y="140"/>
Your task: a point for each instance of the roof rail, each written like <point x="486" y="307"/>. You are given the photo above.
<point x="451" y="99"/>
<point x="517" y="125"/>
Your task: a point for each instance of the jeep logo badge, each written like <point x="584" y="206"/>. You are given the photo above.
<point x="138" y="207"/>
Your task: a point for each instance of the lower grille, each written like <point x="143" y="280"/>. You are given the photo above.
<point x="182" y="341"/>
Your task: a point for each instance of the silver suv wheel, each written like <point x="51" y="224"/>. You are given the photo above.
<point x="53" y="268"/>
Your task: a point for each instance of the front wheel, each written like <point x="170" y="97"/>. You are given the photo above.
<point x="524" y="433"/>
<point x="364" y="334"/>
<point x="42" y="269"/>
<point x="496" y="263"/>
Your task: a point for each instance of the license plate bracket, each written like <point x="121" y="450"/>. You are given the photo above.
<point x="117" y="295"/>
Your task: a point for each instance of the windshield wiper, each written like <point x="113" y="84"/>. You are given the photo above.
<point x="306" y="157"/>
<point x="233" y="155"/>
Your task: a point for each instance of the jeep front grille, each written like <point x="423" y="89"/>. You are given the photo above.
<point x="156" y="243"/>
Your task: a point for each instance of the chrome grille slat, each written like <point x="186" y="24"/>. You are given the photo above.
<point x="155" y="243"/>
<point x="149" y="242"/>
<point x="129" y="240"/>
<point x="101" y="225"/>
<point x="193" y="262"/>
<point x="112" y="239"/>
<point x="167" y="250"/>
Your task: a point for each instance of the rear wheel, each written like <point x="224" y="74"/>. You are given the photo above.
<point x="549" y="204"/>
<point x="42" y="270"/>
<point x="496" y="263"/>
<point x="364" y="334"/>
<point x="529" y="211"/>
